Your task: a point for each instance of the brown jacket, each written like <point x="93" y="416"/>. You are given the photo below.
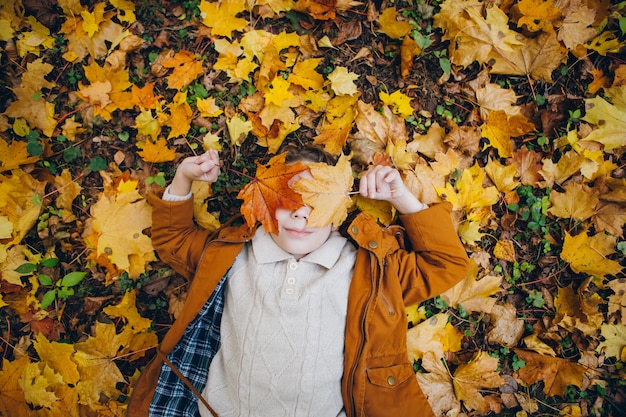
<point x="378" y="379"/>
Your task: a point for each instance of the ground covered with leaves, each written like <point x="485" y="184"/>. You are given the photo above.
<point x="512" y="111"/>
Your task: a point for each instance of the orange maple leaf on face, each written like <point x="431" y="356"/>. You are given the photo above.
<point x="270" y="190"/>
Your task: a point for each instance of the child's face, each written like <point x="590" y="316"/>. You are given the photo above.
<point x="293" y="235"/>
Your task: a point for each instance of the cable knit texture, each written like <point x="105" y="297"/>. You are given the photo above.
<point x="283" y="332"/>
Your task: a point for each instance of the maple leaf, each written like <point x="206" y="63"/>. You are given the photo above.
<point x="610" y="120"/>
<point x="339" y="117"/>
<point x="537" y="13"/>
<point x="59" y="357"/>
<point x="380" y="210"/>
<point x="238" y="129"/>
<point x="14" y="155"/>
<point x="327" y="193"/>
<point x="609" y="218"/>
<point x="208" y="108"/>
<point x="470" y="193"/>
<point x="399" y="102"/>
<point x="499" y="128"/>
<point x="577" y="310"/>
<point x="507" y="328"/>
<point x="436" y="335"/>
<point x="30" y="105"/>
<point x="186" y="68"/>
<point x="127" y="309"/>
<point x="117" y="226"/>
<point x="201" y="192"/>
<point x="502" y="176"/>
<point x="480" y="372"/>
<point x="18" y="196"/>
<point x="390" y="26"/>
<point x="588" y="254"/>
<point x="342" y="81"/>
<point x="474" y="294"/>
<point x="556" y="373"/>
<point x="31" y="41"/>
<point x="222" y="18"/>
<point x="144" y="96"/>
<point x="147" y="124"/>
<point x="12" y="399"/>
<point x="106" y="91"/>
<point x="179" y="119"/>
<point x="304" y="74"/>
<point x="99" y="375"/>
<point x="569" y="164"/>
<point x="577" y="202"/>
<point x="575" y="28"/>
<point x="437" y="386"/>
<point x="157" y="151"/>
<point x="270" y="190"/>
<point x="614" y="343"/>
<point x="79" y="42"/>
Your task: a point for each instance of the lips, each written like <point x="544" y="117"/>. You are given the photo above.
<point x="297" y="232"/>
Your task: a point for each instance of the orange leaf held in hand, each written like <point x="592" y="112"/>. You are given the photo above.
<point x="270" y="190"/>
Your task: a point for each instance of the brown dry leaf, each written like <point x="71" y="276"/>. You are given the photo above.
<point x="474" y="294"/>
<point x="569" y="164"/>
<point x="469" y="380"/>
<point x="504" y="177"/>
<point x="535" y="344"/>
<point x="507" y="328"/>
<point x="577" y="202"/>
<point x="270" y="190"/>
<point x="528" y="164"/>
<point x="437" y="386"/>
<point x="20" y="195"/>
<point x="576" y="27"/>
<point x="617" y="300"/>
<point x="578" y="311"/>
<point x="327" y="192"/>
<point x="32" y="106"/>
<point x="556" y="373"/>
<point x="610" y="218"/>
<point x="500" y="128"/>
<point x="68" y="189"/>
<point x="429" y="144"/>
<point x="186" y="69"/>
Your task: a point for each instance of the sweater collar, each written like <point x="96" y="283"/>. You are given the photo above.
<point x="267" y="251"/>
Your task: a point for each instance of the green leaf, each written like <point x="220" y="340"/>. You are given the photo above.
<point x="98" y="164"/>
<point x="48" y="298"/>
<point x="65" y="292"/>
<point x="49" y="262"/>
<point x="44" y="279"/>
<point x="26" y="268"/>
<point x="72" y="279"/>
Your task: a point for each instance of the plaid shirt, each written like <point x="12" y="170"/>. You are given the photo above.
<point x="192" y="356"/>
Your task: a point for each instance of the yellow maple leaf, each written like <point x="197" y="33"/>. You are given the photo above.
<point x="117" y="226"/>
<point x="614" y="343"/>
<point x="222" y="18"/>
<point x="588" y="254"/>
<point x="390" y="26"/>
<point x="201" y="193"/>
<point x="186" y="69"/>
<point x="208" y="108"/>
<point x="37" y="381"/>
<point x="469" y="192"/>
<point x="147" y="124"/>
<point x="537" y="13"/>
<point x="179" y="118"/>
<point x="238" y="129"/>
<point x="125" y="10"/>
<point x="339" y="119"/>
<point x="30" y="105"/>
<point x="610" y="121"/>
<point x="556" y="373"/>
<point x="606" y="42"/>
<point x="19" y="195"/>
<point x="399" y="102"/>
<point x="474" y="294"/>
<point x="59" y="357"/>
<point x="327" y="192"/>
<point x="577" y="202"/>
<point x="499" y="128"/>
<point x="99" y="375"/>
<point x="12" y="400"/>
<point x="30" y="42"/>
<point x="14" y="155"/>
<point x="436" y="335"/>
<point x="470" y="378"/>
<point x="504" y="177"/>
<point x="381" y="210"/>
<point x="342" y="81"/>
<point x="578" y="310"/>
<point x="304" y="74"/>
<point x="106" y="91"/>
<point x="278" y="92"/>
<point x="469" y="232"/>
<point x="68" y="190"/>
<point x="127" y="309"/>
<point x="569" y="164"/>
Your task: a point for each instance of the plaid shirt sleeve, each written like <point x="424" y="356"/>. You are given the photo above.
<point x="192" y="356"/>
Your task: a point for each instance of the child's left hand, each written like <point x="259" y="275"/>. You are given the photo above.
<point x="384" y="183"/>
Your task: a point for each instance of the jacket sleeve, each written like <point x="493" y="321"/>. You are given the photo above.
<point x="437" y="260"/>
<point x="177" y="239"/>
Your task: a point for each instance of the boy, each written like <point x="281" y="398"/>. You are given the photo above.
<point x="303" y="322"/>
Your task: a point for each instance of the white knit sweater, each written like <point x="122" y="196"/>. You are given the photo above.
<point x="282" y="332"/>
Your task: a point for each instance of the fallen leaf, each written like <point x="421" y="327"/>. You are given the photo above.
<point x="557" y="374"/>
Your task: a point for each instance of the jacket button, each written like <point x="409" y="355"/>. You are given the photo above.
<point x="391" y="380"/>
<point x="373" y="244"/>
<point x="355" y="230"/>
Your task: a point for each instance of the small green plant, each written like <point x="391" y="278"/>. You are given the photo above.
<point x="517" y="363"/>
<point x="535" y="298"/>
<point x="61" y="288"/>
<point x="158" y="179"/>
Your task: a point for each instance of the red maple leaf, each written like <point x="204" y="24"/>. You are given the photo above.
<point x="270" y="190"/>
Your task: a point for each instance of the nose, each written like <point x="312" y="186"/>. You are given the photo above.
<point x="301" y="213"/>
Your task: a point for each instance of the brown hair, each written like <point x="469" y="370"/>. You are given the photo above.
<point x="306" y="153"/>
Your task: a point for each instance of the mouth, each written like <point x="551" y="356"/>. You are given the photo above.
<point x="297" y="232"/>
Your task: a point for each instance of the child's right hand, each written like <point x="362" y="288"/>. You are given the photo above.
<point x="205" y="167"/>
